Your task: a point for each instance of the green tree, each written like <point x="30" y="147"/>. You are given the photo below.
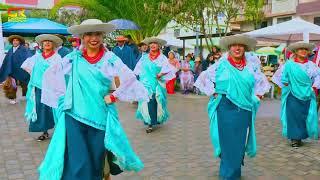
<point x="146" y="13"/>
<point x="204" y="15"/>
<point x="3" y="11"/>
<point x="36" y="13"/>
<point x="253" y="12"/>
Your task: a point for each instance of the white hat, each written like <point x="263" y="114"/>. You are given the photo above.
<point x="49" y="37"/>
<point x="249" y="42"/>
<point x="150" y="40"/>
<point x="91" y="25"/>
<point x="298" y="45"/>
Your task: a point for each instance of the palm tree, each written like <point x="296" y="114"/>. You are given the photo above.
<point x="146" y="13"/>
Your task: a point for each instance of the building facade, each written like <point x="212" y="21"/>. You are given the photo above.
<point x="38" y="4"/>
<point x="278" y="11"/>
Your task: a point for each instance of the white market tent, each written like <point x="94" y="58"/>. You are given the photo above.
<point x="173" y="42"/>
<point x="289" y="31"/>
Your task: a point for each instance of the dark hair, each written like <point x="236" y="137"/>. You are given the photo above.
<point x="217" y="48"/>
<point x="128" y="36"/>
<point x="142" y="44"/>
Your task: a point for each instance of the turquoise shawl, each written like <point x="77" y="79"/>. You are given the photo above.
<point x="84" y="100"/>
<point x="36" y="78"/>
<point x="300" y="85"/>
<point x="238" y="86"/>
<point x="148" y="77"/>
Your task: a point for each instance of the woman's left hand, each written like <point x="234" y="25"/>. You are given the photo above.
<point x="159" y="75"/>
<point x="109" y="99"/>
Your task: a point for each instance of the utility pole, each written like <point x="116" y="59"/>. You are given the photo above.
<point x="197" y="51"/>
<point x="1" y="41"/>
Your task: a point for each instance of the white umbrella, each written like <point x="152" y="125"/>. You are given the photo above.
<point x="289" y="31"/>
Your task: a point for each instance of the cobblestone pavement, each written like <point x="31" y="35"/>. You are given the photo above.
<point x="179" y="150"/>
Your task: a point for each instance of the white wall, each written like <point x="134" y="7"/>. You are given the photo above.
<point x="45" y="4"/>
<point x="306" y="1"/>
<point x="283" y="6"/>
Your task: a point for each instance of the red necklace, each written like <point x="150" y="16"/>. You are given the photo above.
<point x="301" y="62"/>
<point x="239" y="65"/>
<point x="94" y="59"/>
<point x="48" y="55"/>
<point x="154" y="56"/>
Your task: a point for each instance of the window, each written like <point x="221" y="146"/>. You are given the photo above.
<point x="264" y="24"/>
<point x="222" y="30"/>
<point x="283" y="19"/>
<point x="316" y="21"/>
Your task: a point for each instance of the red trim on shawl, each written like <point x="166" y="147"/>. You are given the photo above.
<point x="48" y="55"/>
<point x="94" y="59"/>
<point x="297" y="61"/>
<point x="239" y="65"/>
<point x="155" y="56"/>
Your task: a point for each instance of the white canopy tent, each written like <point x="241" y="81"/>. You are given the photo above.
<point x="173" y="42"/>
<point x="289" y="31"/>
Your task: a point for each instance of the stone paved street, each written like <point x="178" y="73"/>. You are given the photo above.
<point x="180" y="150"/>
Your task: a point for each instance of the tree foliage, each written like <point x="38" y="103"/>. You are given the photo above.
<point x="146" y="13"/>
<point x="254" y="12"/>
<point x="4" y="15"/>
<point x="204" y="15"/>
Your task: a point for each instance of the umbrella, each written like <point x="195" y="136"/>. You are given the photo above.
<point x="280" y="48"/>
<point x="34" y="26"/>
<point x="124" y="24"/>
<point x="289" y="31"/>
<point x="267" y="50"/>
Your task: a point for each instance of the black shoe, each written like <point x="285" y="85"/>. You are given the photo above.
<point x="295" y="143"/>
<point x="300" y="143"/>
<point x="149" y="130"/>
<point x="43" y="137"/>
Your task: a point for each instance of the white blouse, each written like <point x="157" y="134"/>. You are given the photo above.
<point x="29" y="63"/>
<point x="130" y="88"/>
<point x="163" y="62"/>
<point x="206" y="81"/>
<point x="310" y="68"/>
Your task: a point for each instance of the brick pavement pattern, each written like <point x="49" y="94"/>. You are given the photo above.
<point x="179" y="150"/>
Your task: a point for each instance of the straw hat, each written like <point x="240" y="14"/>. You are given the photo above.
<point x="12" y="37"/>
<point x="150" y="40"/>
<point x="49" y="37"/>
<point x="71" y="39"/>
<point x="249" y="42"/>
<point x="121" y="38"/>
<point x="91" y="25"/>
<point x="171" y="51"/>
<point x="299" y="45"/>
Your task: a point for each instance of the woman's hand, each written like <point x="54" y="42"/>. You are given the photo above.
<point x="159" y="75"/>
<point x="109" y="99"/>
